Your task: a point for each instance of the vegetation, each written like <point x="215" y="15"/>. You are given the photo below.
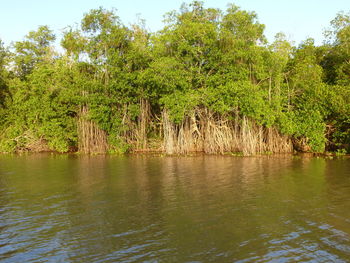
<point x="208" y="81"/>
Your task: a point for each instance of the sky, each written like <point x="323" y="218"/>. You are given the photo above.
<point x="298" y="19"/>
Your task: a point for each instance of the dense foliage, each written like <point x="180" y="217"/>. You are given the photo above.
<point x="119" y="86"/>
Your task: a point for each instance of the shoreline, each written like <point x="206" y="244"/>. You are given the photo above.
<point x="328" y="155"/>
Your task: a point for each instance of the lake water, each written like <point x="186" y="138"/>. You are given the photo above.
<point x="68" y="208"/>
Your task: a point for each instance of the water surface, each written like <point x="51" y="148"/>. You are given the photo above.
<point x="67" y="208"/>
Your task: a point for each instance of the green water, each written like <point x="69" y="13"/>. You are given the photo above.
<point x="62" y="208"/>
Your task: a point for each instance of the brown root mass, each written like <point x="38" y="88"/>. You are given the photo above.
<point x="91" y="139"/>
<point x="205" y="131"/>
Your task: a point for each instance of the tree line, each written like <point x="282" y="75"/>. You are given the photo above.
<point x="209" y="81"/>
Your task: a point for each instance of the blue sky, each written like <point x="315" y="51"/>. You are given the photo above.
<point x="298" y="19"/>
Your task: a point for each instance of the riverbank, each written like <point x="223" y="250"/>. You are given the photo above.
<point x="295" y="154"/>
<point x="207" y="82"/>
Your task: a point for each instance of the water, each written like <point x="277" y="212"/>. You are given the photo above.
<point x="66" y="208"/>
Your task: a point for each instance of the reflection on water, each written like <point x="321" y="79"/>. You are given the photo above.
<point x="67" y="208"/>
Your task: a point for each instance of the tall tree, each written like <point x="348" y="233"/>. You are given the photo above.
<point x="35" y="48"/>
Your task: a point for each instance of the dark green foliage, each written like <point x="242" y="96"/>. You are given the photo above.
<point x="33" y="50"/>
<point x="3" y="76"/>
<point x="122" y="79"/>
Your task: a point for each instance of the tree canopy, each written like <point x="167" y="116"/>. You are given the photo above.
<point x="208" y="81"/>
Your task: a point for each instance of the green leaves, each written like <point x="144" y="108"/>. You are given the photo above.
<point x="33" y="50"/>
<point x="180" y="104"/>
<point x="204" y="58"/>
<point x="243" y="25"/>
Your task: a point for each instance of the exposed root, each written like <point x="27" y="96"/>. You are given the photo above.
<point x="142" y="125"/>
<point x="91" y="139"/>
<point x="28" y="142"/>
<point x="205" y="131"/>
